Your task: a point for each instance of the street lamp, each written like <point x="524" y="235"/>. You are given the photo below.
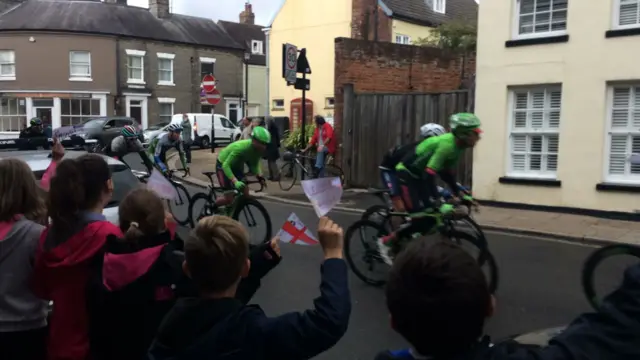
<point x="247" y="56"/>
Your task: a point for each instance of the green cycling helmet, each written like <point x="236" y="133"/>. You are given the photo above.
<point x="35" y="121"/>
<point x="464" y="123"/>
<point x="261" y="134"/>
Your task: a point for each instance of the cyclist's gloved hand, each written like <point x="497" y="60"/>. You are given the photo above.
<point x="468" y="198"/>
<point x="239" y="185"/>
<point x="447" y="208"/>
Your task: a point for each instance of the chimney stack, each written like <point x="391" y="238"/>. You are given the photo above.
<point x="159" y="8"/>
<point x="247" y="16"/>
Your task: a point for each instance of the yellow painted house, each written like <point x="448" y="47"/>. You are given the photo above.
<point x="314" y="25"/>
<point x="560" y="103"/>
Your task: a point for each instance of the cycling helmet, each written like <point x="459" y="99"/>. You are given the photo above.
<point x="261" y="134"/>
<point x="35" y="121"/>
<point x="129" y="131"/>
<point x="431" y="129"/>
<point x="464" y="123"/>
<point x="175" y="128"/>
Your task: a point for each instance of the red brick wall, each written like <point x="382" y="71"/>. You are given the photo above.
<point x="382" y="67"/>
<point x="363" y="21"/>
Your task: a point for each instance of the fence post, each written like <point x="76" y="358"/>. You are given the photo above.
<point x="347" y="131"/>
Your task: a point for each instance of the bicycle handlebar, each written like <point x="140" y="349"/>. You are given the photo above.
<point x="170" y="172"/>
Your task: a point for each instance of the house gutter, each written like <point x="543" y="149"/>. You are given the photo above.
<point x="267" y="33"/>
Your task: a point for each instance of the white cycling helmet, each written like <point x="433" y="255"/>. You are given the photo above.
<point x="431" y="129"/>
<point x="174" y="127"/>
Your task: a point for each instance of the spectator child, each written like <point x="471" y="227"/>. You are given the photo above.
<point x="23" y="316"/>
<point x="439" y="300"/>
<point x="216" y="325"/>
<point x="69" y="251"/>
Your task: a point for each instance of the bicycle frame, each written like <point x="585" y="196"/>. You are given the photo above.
<point x="237" y="194"/>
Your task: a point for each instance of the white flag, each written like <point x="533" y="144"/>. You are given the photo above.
<point x="324" y="193"/>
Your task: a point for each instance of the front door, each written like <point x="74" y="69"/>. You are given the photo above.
<point x="135" y="110"/>
<point x="44" y="114"/>
<point x="136" y="107"/>
<point x="233" y="110"/>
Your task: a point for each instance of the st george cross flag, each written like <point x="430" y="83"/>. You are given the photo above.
<point x="295" y="232"/>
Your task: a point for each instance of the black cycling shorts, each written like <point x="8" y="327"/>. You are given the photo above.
<point x="415" y="192"/>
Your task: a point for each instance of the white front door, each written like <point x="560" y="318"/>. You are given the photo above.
<point x="136" y="107"/>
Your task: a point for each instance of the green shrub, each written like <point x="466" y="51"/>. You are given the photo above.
<point x="292" y="139"/>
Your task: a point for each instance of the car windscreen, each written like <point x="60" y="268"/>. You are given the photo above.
<point x="94" y="123"/>
<point x="123" y="182"/>
<point x="158" y="126"/>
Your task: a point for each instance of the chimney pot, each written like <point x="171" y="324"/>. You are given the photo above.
<point x="159" y="8"/>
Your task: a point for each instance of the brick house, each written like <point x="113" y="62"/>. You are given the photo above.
<point x="109" y="58"/>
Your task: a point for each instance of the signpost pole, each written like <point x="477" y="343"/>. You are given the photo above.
<point x="303" y="134"/>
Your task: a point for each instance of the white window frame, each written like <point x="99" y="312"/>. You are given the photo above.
<point x="9" y="77"/>
<point x="207" y="60"/>
<point x="532" y="174"/>
<point x="136" y="53"/>
<point x="327" y="101"/>
<point x="79" y="77"/>
<point x="402" y="36"/>
<point x="170" y="101"/>
<point x="273" y="104"/>
<point x="516" y="26"/>
<point x="615" y="22"/>
<point x="626" y="179"/>
<point x="170" y="57"/>
<point x="440" y="6"/>
<point x="260" y="50"/>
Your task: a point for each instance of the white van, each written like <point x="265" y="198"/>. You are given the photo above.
<point x="225" y="131"/>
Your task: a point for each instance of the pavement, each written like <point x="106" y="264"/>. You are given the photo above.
<point x="539" y="283"/>
<point x="585" y="229"/>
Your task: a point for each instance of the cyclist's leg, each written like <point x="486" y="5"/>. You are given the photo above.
<point x="390" y="179"/>
<point x="227" y="184"/>
<point x="320" y="156"/>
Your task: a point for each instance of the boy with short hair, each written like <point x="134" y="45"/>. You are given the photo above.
<point x="216" y="326"/>
<point x="439" y="299"/>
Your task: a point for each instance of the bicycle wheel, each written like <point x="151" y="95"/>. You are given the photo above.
<point x="592" y="263"/>
<point x="378" y="214"/>
<point x="334" y="171"/>
<point x="468" y="223"/>
<point x="485" y="258"/>
<point x="201" y="206"/>
<point x="180" y="207"/>
<point x="288" y="176"/>
<point x="246" y="211"/>
<point x="371" y="257"/>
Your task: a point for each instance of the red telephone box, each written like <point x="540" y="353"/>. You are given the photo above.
<point x="295" y="118"/>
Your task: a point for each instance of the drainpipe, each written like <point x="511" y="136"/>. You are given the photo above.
<point x="117" y="99"/>
<point x="267" y="32"/>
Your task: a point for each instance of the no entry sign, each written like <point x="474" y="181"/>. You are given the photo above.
<point x="214" y="97"/>
<point x="209" y="83"/>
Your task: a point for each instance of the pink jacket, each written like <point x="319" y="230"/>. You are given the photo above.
<point x="48" y="174"/>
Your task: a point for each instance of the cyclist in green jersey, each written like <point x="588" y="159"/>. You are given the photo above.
<point x="232" y="159"/>
<point x="417" y="172"/>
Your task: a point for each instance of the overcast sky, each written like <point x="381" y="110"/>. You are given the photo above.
<point x="220" y="9"/>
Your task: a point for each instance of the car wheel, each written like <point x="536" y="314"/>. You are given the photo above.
<point x="204" y="142"/>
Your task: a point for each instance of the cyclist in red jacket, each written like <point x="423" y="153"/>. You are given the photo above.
<point x="325" y="142"/>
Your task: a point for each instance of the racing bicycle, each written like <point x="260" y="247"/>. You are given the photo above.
<point x="293" y="168"/>
<point x="446" y="225"/>
<point x="176" y="206"/>
<point x="242" y="207"/>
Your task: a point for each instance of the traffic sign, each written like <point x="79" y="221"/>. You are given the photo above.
<point x="209" y="83"/>
<point x="214" y="97"/>
<point x="289" y="62"/>
<point x="302" y="65"/>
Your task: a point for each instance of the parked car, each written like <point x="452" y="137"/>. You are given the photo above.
<point x="153" y="131"/>
<point x="225" y="131"/>
<point x="104" y="129"/>
<point x="123" y="179"/>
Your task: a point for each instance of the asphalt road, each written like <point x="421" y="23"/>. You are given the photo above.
<point x="539" y="286"/>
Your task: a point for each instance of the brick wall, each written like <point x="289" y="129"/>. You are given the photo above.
<point x="382" y="67"/>
<point x="363" y="21"/>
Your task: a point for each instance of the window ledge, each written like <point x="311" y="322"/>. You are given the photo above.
<point x="7" y="78"/>
<point x="537" y="41"/>
<point x="614" y="187"/>
<point x="164" y="83"/>
<point x="136" y="82"/>
<point x="329" y="107"/>
<point x="78" y="78"/>
<point x="622" y="32"/>
<point x="277" y="109"/>
<point x="530" y="181"/>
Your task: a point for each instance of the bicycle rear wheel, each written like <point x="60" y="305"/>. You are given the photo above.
<point x="356" y="236"/>
<point x="378" y="214"/>
<point x="248" y="211"/>
<point x="288" y="176"/>
<point x="180" y="207"/>
<point x="202" y="205"/>
<point x="334" y="171"/>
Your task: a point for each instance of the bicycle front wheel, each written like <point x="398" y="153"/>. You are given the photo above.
<point x="334" y="171"/>
<point x="180" y="207"/>
<point x="288" y="176"/>
<point x="480" y="251"/>
<point x="255" y="218"/>
<point x="368" y="266"/>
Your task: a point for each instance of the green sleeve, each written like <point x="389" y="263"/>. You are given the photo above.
<point x="183" y="159"/>
<point x="233" y="152"/>
<point x="255" y="165"/>
<point x="440" y="159"/>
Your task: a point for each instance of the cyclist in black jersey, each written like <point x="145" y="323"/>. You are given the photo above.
<point x="395" y="155"/>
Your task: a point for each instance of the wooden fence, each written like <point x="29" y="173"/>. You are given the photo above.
<point x="373" y="123"/>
